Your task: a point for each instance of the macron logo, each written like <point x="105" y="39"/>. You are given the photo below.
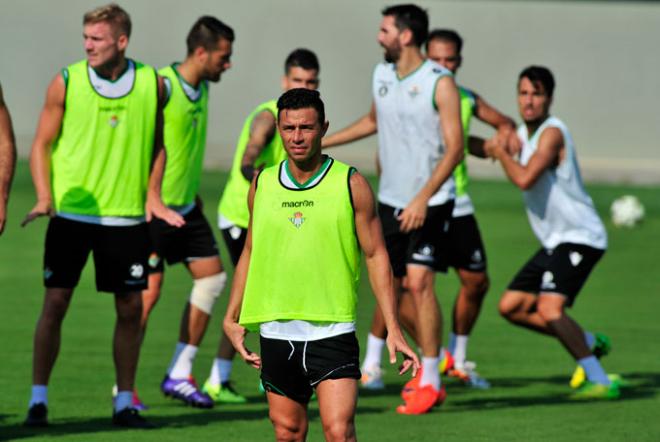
<point x="297" y="204"/>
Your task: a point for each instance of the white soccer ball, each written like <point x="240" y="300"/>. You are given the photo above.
<point x="626" y="211"/>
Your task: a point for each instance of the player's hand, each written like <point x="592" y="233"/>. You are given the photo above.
<point x="396" y="343"/>
<point x="155" y="207"/>
<point x="414" y="215"/>
<point x="236" y="334"/>
<point x="42" y="208"/>
<point x="513" y="143"/>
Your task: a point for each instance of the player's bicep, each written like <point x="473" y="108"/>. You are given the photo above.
<point x="367" y="225"/>
<point x="50" y="120"/>
<point x="262" y="131"/>
<point x="547" y="153"/>
<point x="489" y="115"/>
<point x="449" y="108"/>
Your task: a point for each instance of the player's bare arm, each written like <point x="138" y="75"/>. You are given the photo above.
<point x="548" y="154"/>
<point x="7" y="159"/>
<point x="50" y="122"/>
<point x="371" y="241"/>
<point x="234" y="331"/>
<point x="155" y="206"/>
<point x="505" y="125"/>
<point x="262" y="131"/>
<point x="447" y="99"/>
<point x="362" y="128"/>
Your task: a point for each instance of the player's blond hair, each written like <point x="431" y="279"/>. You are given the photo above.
<point x="113" y="14"/>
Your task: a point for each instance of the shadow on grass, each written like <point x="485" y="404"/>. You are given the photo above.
<point x="196" y="418"/>
<point x="638" y="386"/>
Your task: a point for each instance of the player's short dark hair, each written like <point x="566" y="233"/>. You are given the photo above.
<point x="411" y="17"/>
<point x="206" y="32"/>
<point x="539" y="74"/>
<point x="446" y="35"/>
<point x="301" y="98"/>
<point x="301" y="58"/>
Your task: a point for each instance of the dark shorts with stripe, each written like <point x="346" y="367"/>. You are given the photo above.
<point x="294" y="368"/>
<point x="120" y="255"/>
<point x="176" y="244"/>
<point x="425" y="246"/>
<point x="234" y="237"/>
<point x="562" y="270"/>
<point x="465" y="249"/>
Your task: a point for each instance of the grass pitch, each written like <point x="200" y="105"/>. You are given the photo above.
<point x="529" y="373"/>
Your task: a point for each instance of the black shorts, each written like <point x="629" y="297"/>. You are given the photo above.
<point x="424" y="246"/>
<point x="465" y="249"/>
<point x="234" y="237"/>
<point x="294" y="368"/>
<point x="120" y="255"/>
<point x="563" y="270"/>
<point x="175" y="244"/>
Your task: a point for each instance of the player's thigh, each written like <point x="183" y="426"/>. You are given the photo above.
<point x="516" y="301"/>
<point x="288" y="416"/>
<point x="234" y="238"/>
<point x="427" y="246"/>
<point x="396" y="242"/>
<point x="203" y="267"/>
<point x="282" y="369"/>
<point x="67" y="246"/>
<point x="337" y="402"/>
<point x="196" y="242"/>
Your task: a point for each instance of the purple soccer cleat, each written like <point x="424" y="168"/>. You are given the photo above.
<point x="186" y="391"/>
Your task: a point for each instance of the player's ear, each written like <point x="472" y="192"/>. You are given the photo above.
<point x="324" y="129"/>
<point x="406" y="37"/>
<point x="122" y="42"/>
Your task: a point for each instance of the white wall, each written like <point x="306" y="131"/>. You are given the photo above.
<point x="603" y="54"/>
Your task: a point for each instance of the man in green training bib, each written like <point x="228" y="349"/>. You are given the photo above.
<point x="297" y="277"/>
<point x="97" y="164"/>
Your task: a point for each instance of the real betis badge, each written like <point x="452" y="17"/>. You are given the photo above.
<point x="114" y="121"/>
<point x="297" y="219"/>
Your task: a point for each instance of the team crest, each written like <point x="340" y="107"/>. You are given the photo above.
<point x="114" y="121"/>
<point x="476" y="256"/>
<point x="297" y="219"/>
<point x="194" y="122"/>
<point x="575" y="258"/>
<point x="154" y="260"/>
<point x="414" y="91"/>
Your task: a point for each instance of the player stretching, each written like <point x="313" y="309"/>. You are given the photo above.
<point x="417" y="116"/>
<point x="572" y="236"/>
<point x="96" y="160"/>
<point x="259" y="146"/>
<point x="296" y="281"/>
<point x="185" y="118"/>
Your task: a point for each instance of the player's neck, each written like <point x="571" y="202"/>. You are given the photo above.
<point x="302" y="171"/>
<point x="533" y="126"/>
<point x="113" y="69"/>
<point x="410" y="60"/>
<point x="189" y="73"/>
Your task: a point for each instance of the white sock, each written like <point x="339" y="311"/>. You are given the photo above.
<point x="177" y="351"/>
<point x="220" y="371"/>
<point x="460" y="350"/>
<point x="594" y="370"/>
<point x="374" y="352"/>
<point x="183" y="364"/>
<point x="430" y="373"/>
<point x="123" y="400"/>
<point x="590" y="338"/>
<point x="452" y="343"/>
<point x="39" y="395"/>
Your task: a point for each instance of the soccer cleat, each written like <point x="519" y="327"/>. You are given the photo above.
<point x="446" y="363"/>
<point x="469" y="376"/>
<point x="372" y="379"/>
<point x="223" y="393"/>
<point x="37" y="416"/>
<point x="422" y="399"/>
<point x="130" y="418"/>
<point x="602" y="347"/>
<point x="410" y="386"/>
<point x="186" y="391"/>
<point x="591" y="391"/>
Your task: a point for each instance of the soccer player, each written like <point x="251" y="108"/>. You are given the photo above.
<point x="563" y="217"/>
<point x="416" y="113"/>
<point x="7" y="159"/>
<point x="296" y="280"/>
<point x="185" y="119"/>
<point x="258" y="146"/>
<point x="465" y="249"/>
<point x="97" y="164"/>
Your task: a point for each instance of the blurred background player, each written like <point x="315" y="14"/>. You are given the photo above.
<point x="322" y="213"/>
<point x="416" y="112"/>
<point x="259" y="145"/>
<point x="572" y="236"/>
<point x="209" y="44"/>
<point x="97" y="160"/>
<point x="465" y="250"/>
<point x="7" y="159"/>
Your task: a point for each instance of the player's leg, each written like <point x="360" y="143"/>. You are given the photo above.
<point x="289" y="418"/>
<point x="519" y="308"/>
<point x="127" y="338"/>
<point x="337" y="405"/>
<point x="66" y="249"/>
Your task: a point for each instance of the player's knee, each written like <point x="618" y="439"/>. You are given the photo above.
<point x="55" y="309"/>
<point x="549" y="311"/>
<point x="206" y="291"/>
<point x="287" y="429"/>
<point x="418" y="287"/>
<point x="477" y="286"/>
<point x="129" y="308"/>
<point x="508" y="307"/>
<point x="339" y="431"/>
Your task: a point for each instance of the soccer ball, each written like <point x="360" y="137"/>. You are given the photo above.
<point x="626" y="211"/>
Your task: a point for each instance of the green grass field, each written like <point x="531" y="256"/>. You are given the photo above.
<point x="529" y="373"/>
